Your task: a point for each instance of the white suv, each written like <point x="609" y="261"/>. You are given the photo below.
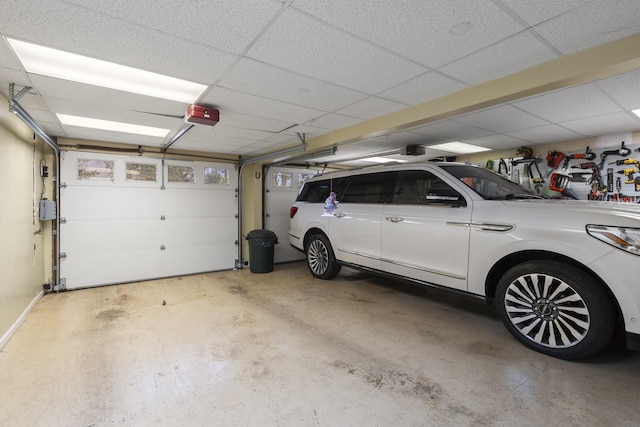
<point x="564" y="274"/>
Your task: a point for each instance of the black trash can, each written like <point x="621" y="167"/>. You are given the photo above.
<point x="261" y="247"/>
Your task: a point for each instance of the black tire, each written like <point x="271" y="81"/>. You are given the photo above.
<point x="555" y="308"/>
<point x="320" y="258"/>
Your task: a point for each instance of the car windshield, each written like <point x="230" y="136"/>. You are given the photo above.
<point x="489" y="184"/>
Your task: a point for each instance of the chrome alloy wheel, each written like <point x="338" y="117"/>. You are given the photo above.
<point x="547" y="310"/>
<point x="318" y="257"/>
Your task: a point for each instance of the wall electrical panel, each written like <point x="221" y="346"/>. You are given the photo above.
<point x="47" y="210"/>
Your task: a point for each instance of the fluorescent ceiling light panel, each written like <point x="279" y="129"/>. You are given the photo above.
<point x="87" y="122"/>
<point x="382" y="160"/>
<point x="459" y="147"/>
<point x="69" y="66"/>
<point x="636" y="112"/>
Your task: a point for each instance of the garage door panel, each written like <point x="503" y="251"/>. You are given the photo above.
<point x="113" y="267"/>
<point x="120" y="229"/>
<point x="185" y="231"/>
<point x="175" y="258"/>
<point x="91" y="236"/>
<point x="83" y="202"/>
<point x="189" y="203"/>
<point x="282" y="189"/>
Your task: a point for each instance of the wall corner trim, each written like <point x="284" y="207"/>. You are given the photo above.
<point x="14" y="328"/>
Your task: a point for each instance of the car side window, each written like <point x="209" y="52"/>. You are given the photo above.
<point x="369" y="188"/>
<point x="424" y="188"/>
<point x="318" y="191"/>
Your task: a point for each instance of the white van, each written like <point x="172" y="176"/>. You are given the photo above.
<point x="564" y="274"/>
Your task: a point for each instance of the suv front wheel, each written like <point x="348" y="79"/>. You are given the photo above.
<point x="320" y="258"/>
<point x="555" y="308"/>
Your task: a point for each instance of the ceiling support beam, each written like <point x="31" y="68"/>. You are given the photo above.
<point x="614" y="58"/>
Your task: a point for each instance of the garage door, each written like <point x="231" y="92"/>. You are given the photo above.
<point x="119" y="223"/>
<point x="282" y="186"/>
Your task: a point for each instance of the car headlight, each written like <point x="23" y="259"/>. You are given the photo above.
<point x="624" y="238"/>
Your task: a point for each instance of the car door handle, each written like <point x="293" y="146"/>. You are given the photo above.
<point x="338" y="214"/>
<point x="394" y="219"/>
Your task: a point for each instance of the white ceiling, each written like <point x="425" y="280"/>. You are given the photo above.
<point x="278" y="68"/>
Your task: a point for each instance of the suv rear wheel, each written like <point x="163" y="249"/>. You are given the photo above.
<point x="555" y="308"/>
<point x="320" y="258"/>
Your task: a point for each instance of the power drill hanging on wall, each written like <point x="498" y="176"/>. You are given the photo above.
<point x="629" y="172"/>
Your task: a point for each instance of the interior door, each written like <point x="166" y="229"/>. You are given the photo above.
<point x="425" y="232"/>
<point x="282" y="186"/>
<point x="128" y="218"/>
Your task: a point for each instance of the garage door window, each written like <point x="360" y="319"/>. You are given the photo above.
<point x="216" y="176"/>
<point x="184" y="174"/>
<point x="141" y="172"/>
<point x="98" y="170"/>
<point x="302" y="177"/>
<point x="282" y="179"/>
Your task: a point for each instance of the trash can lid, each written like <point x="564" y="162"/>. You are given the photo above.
<point x="261" y="234"/>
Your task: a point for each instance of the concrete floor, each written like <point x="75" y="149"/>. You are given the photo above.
<point x="240" y="349"/>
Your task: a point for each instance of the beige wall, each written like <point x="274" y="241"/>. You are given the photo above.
<point x="251" y="203"/>
<point x="25" y="257"/>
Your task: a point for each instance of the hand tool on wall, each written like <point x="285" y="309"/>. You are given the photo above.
<point x="609" y="180"/>
<point x="554" y="158"/>
<point x="621" y="162"/>
<point x="622" y="151"/>
<point x="559" y="183"/>
<point x="503" y="164"/>
<point x="587" y="155"/>
<point x="597" y="188"/>
<point x="537" y="181"/>
<point x="629" y="173"/>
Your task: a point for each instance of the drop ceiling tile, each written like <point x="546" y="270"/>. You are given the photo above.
<point x="624" y="89"/>
<point x="432" y="32"/>
<point x="450" y="130"/>
<point x="107" y="112"/>
<point x="222" y="133"/>
<point x="243" y="103"/>
<point x="569" y="104"/>
<point x="244" y="121"/>
<point x="423" y="88"/>
<point x="52" y="128"/>
<point x="303" y="45"/>
<point x="509" y="56"/>
<point x="602" y="125"/>
<point x="497" y="142"/>
<point x="98" y="98"/>
<point x="502" y="119"/>
<point x="536" y="12"/>
<point x="371" y="107"/>
<point x="230" y="26"/>
<point x="41" y="116"/>
<point x="597" y="23"/>
<point x="110" y="136"/>
<point x="258" y="78"/>
<point x="333" y="121"/>
<point x="545" y="134"/>
<point x="61" y="25"/>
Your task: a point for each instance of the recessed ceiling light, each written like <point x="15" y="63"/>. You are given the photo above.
<point x="87" y="122"/>
<point x="636" y="112"/>
<point x="459" y="147"/>
<point x="69" y="66"/>
<point x="382" y="160"/>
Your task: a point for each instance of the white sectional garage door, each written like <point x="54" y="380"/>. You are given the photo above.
<point x="119" y="225"/>
<point x="282" y="186"/>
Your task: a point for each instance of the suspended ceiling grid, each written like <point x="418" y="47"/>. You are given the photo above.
<point x="278" y="68"/>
